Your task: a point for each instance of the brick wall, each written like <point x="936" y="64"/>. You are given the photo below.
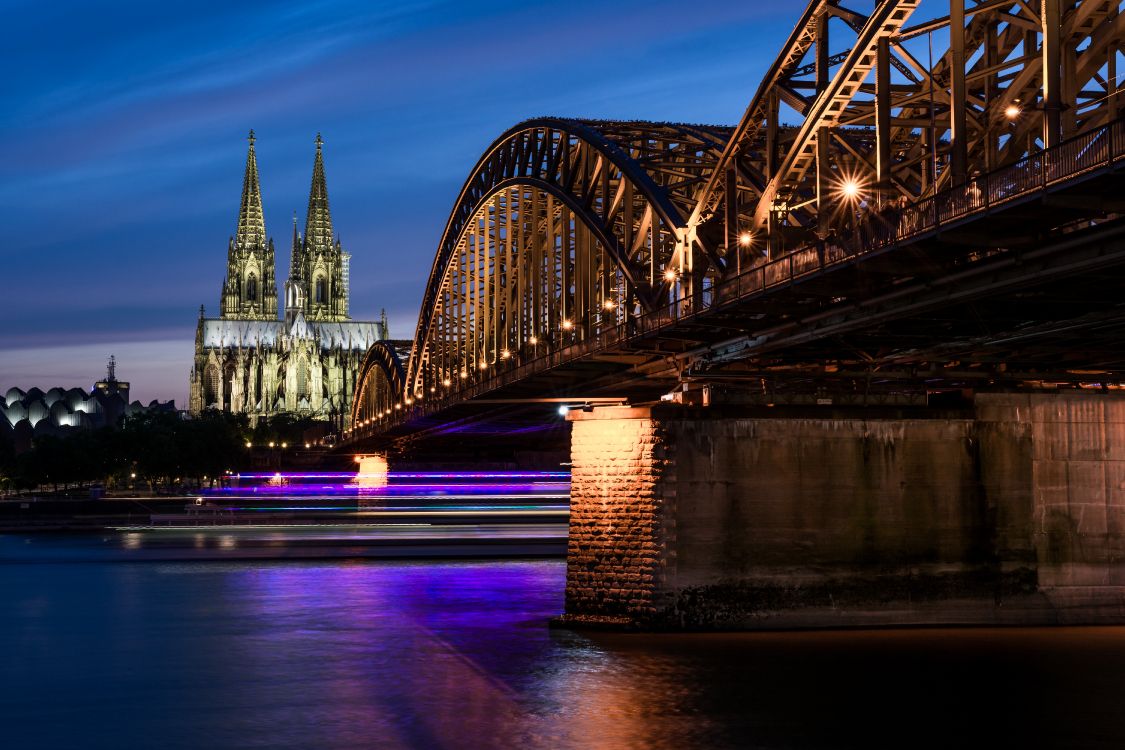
<point x="618" y="538"/>
<point x="694" y="518"/>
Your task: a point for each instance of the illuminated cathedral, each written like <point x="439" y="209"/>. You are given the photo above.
<point x="249" y="360"/>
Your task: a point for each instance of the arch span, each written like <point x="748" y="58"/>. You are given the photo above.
<point x="379" y="384"/>
<point x="563" y="229"/>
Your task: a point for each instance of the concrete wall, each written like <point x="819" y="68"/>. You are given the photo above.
<point x="700" y="519"/>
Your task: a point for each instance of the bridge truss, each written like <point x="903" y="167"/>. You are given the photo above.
<point x="573" y="236"/>
<point x="566" y="229"/>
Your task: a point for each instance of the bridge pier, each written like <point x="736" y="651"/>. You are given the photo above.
<point x="1010" y="512"/>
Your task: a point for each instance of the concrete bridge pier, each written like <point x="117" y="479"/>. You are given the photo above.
<point x="1011" y="512"/>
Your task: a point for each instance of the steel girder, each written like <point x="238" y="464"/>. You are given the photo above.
<point x="568" y="228"/>
<point x="564" y="228"/>
<point x="878" y="121"/>
<point x="379" y="384"/>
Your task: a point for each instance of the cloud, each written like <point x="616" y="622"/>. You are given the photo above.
<point x="122" y="139"/>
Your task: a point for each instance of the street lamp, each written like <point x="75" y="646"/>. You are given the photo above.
<point x="850" y="188"/>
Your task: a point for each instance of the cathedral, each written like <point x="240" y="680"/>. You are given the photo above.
<point x="249" y="360"/>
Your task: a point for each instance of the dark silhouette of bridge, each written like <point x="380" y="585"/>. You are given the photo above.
<point x="885" y="223"/>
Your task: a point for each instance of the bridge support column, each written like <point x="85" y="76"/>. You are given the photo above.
<point x="1012" y="512"/>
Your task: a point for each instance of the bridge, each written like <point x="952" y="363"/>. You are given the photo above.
<point x="921" y="208"/>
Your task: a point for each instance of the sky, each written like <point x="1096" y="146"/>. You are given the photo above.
<point x="123" y="144"/>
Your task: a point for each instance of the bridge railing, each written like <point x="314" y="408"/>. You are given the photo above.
<point x="893" y="224"/>
<point x="1087" y="152"/>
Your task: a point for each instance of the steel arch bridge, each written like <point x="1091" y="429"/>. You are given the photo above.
<point x="572" y="236"/>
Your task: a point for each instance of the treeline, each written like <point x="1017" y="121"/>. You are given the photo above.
<point x="156" y="448"/>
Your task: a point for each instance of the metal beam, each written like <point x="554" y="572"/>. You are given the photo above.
<point x="883" y="111"/>
<point x="1052" y="73"/>
<point x="958" y="135"/>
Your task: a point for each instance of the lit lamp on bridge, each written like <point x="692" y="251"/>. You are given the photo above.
<point x="850" y="189"/>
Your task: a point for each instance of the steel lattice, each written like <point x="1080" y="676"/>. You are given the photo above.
<point x="569" y="230"/>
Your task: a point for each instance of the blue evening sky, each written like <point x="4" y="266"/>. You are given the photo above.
<point x="122" y="143"/>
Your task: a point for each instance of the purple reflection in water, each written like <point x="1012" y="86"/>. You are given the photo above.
<point x="458" y="655"/>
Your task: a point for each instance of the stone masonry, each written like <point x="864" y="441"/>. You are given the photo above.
<point x="620" y="536"/>
<point x="701" y="519"/>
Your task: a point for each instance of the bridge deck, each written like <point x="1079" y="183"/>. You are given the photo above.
<point x="996" y="277"/>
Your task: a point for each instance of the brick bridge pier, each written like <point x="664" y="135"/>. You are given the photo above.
<point x="1011" y="512"/>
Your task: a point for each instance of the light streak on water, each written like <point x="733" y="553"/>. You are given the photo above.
<point x="411" y="514"/>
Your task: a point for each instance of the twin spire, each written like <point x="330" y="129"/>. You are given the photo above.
<point x="251" y="223"/>
<point x="318" y="221"/>
<point x="318" y="270"/>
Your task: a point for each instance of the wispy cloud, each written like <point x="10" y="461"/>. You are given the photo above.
<point x="121" y="141"/>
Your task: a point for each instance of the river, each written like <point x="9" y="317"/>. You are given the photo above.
<point x="120" y="651"/>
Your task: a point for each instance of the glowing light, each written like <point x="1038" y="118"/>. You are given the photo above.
<point x="745" y="239"/>
<point x="533" y="340"/>
<point x="285" y="445"/>
<point x="567" y="325"/>
<point x="484" y="365"/>
<point x="1012" y="111"/>
<point x="271" y="444"/>
<point x="464" y="374"/>
<point x="409" y="401"/>
<point x="306" y="446"/>
<point x="446" y="382"/>
<point x="505" y="354"/>
<point x="249" y="445"/>
<point x="398" y="406"/>
<point x="609" y="304"/>
<point x="563" y="410"/>
<point x="670" y="275"/>
<point x="850" y="188"/>
<point x="133" y="475"/>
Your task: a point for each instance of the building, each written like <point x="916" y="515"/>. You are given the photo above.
<point x="25" y="415"/>
<point x="248" y="360"/>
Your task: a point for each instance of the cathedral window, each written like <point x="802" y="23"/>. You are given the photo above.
<point x="211" y="386"/>
<point x="252" y="288"/>
<point x="302" y="379"/>
<point x="321" y="290"/>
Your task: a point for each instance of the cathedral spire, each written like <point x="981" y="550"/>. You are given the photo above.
<point x="318" y="223"/>
<point x="249" y="289"/>
<point x="295" y="255"/>
<point x="251" y="224"/>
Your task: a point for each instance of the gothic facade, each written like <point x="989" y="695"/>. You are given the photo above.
<point x="249" y="360"/>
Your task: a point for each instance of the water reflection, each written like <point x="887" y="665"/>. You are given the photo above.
<point x="458" y="654"/>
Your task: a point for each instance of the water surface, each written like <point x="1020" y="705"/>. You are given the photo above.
<point x="350" y="654"/>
